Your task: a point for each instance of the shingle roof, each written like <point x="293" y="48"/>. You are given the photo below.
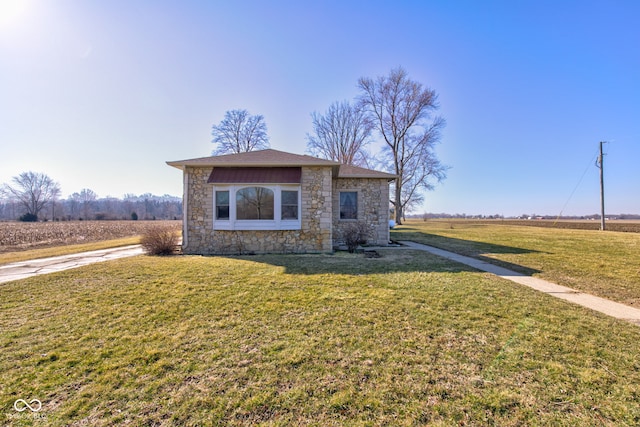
<point x="267" y="157"/>
<point x="350" y="171"/>
<point x="275" y="158"/>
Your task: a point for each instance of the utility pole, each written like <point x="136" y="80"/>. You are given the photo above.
<point x="600" y="165"/>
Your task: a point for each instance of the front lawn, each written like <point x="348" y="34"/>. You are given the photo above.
<point x="606" y="264"/>
<point x="406" y="339"/>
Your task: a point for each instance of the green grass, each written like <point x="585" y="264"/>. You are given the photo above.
<point x="606" y="264"/>
<point x="406" y="339"/>
<point x="9" y="257"/>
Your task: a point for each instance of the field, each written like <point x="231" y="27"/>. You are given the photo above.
<point x="606" y="264"/>
<point x="629" y="226"/>
<point x="17" y="236"/>
<point x="325" y="340"/>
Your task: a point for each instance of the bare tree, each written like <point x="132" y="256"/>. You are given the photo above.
<point x="33" y="191"/>
<point x="86" y="198"/>
<point x="240" y="132"/>
<point x="341" y="134"/>
<point x="403" y="111"/>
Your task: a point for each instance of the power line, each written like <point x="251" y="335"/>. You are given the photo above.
<point x="594" y="157"/>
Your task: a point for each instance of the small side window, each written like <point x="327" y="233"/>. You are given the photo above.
<point x="348" y="205"/>
<point x="289" y="204"/>
<point x="222" y="205"/>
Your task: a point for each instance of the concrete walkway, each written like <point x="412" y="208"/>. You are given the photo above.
<point x="35" y="267"/>
<point x="608" y="307"/>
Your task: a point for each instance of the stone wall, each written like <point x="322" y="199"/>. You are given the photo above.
<point x="198" y="210"/>
<point x="373" y="207"/>
<point x="315" y="234"/>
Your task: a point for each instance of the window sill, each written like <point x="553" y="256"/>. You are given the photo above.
<point x="257" y="225"/>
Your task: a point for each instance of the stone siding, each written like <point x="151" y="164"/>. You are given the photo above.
<point x="373" y="207"/>
<point x="315" y="234"/>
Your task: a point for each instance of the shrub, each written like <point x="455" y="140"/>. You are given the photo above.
<point x="355" y="234"/>
<point x="159" y="240"/>
<point x="134" y="216"/>
<point x="29" y="217"/>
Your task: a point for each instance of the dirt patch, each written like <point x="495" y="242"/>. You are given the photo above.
<point x="372" y="254"/>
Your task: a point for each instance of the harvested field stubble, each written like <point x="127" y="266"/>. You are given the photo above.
<point x="16" y="236"/>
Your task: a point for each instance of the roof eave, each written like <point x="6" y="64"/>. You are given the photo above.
<point x="181" y="164"/>
<point x="388" y="177"/>
<point x="178" y="165"/>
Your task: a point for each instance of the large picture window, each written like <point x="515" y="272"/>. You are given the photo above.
<point x="254" y="203"/>
<point x="268" y="207"/>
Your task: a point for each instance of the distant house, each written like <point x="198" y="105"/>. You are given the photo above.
<point x="271" y="201"/>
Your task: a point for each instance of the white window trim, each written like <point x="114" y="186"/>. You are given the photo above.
<point x="261" y="224"/>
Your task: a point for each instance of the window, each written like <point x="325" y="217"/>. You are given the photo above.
<point x="289" y="206"/>
<point x="254" y="203"/>
<point x="222" y="205"/>
<point x="268" y="207"/>
<point x="348" y="205"/>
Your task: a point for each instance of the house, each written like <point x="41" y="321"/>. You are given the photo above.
<point x="270" y="201"/>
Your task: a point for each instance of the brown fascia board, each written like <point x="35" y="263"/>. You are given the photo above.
<point x="264" y="158"/>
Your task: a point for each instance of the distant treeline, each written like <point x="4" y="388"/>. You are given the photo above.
<point x="593" y="217"/>
<point x="85" y="208"/>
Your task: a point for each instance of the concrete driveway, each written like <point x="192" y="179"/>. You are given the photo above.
<point x="35" y="267"/>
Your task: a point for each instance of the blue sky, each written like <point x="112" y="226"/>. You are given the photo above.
<point x="99" y="94"/>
